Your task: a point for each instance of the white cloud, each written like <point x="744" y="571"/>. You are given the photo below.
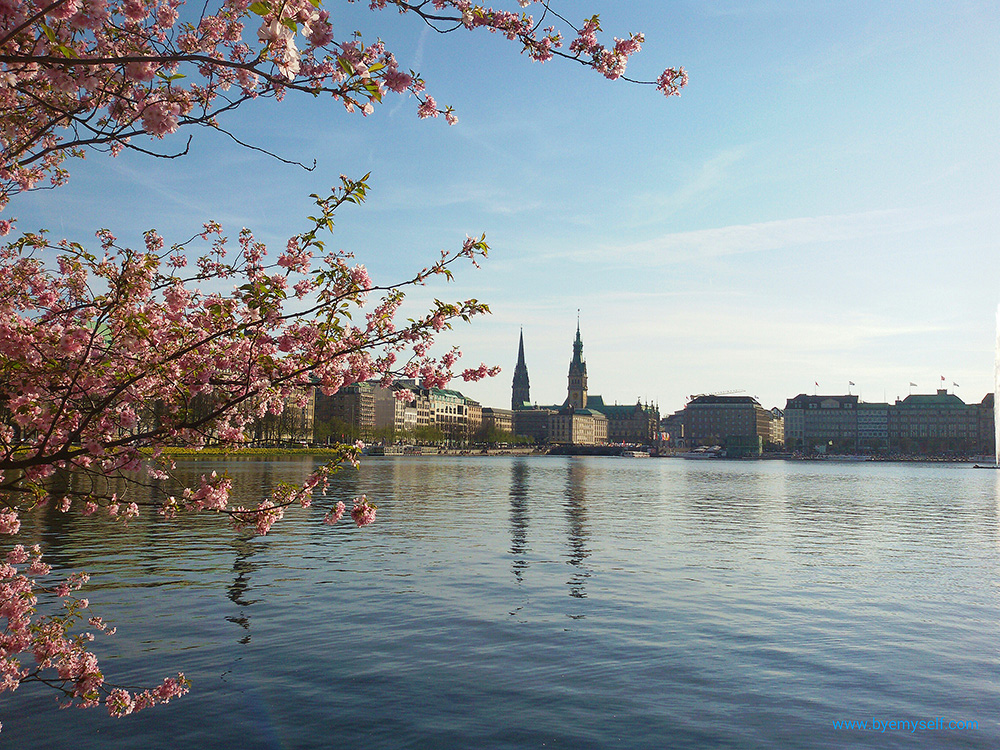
<point x="680" y="247"/>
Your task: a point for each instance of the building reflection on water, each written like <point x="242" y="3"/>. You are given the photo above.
<point x="519" y="517"/>
<point x="574" y="510"/>
<point x="576" y="527"/>
<point x="150" y="551"/>
<point x="243" y="567"/>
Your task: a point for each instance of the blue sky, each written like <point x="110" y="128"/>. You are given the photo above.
<point x="820" y="205"/>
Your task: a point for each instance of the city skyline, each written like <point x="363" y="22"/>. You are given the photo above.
<point x="850" y="387"/>
<point x="820" y="204"/>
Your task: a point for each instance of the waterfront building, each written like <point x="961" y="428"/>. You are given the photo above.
<point x="498" y="420"/>
<point x="371" y="411"/>
<point x="636" y="423"/>
<point x="985" y="420"/>
<point x="934" y="424"/>
<point x="776" y="429"/>
<point x="821" y="424"/>
<point x="582" y="419"/>
<point x="873" y="427"/>
<point x="572" y="426"/>
<point x="347" y="415"/>
<point x="394" y="418"/>
<point x="672" y="432"/>
<point x="738" y="423"/>
<point x="448" y="412"/>
<point x="920" y="424"/>
<point x="473" y="418"/>
<point x="533" y="423"/>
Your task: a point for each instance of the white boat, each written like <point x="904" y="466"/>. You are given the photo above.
<point x="704" y="451"/>
<point x="635" y="454"/>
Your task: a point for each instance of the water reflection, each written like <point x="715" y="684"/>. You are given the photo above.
<point x="576" y="531"/>
<point x="519" y="518"/>
<point x="701" y="609"/>
<point x="243" y="568"/>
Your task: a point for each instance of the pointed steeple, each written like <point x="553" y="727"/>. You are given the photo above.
<point x="520" y="389"/>
<point x="578" y="347"/>
<point x="577" y="392"/>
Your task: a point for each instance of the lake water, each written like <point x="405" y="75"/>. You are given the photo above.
<point x="553" y="602"/>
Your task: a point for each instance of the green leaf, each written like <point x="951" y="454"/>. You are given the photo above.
<point x="260" y="8"/>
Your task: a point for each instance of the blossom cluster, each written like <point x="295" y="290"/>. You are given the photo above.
<point x="58" y="656"/>
<point x="108" y="357"/>
<point x="93" y="380"/>
<point x="78" y="74"/>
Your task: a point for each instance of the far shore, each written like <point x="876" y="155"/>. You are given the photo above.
<point x="216" y="451"/>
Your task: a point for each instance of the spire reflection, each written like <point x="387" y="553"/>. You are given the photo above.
<point x="519" y="517"/>
<point x="576" y="531"/>
<point x="243" y="567"/>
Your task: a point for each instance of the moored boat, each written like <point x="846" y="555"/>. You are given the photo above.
<point x="704" y="451"/>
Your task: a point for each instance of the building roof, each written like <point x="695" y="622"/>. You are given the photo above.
<point x="495" y="410"/>
<point x="927" y="401"/>
<point x="617" y="411"/>
<point x="803" y="400"/>
<point x="447" y="392"/>
<point x="732" y="400"/>
<point x="585" y="412"/>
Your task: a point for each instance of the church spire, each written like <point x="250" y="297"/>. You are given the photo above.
<point x="577" y="392"/>
<point x="578" y="347"/>
<point x="520" y="388"/>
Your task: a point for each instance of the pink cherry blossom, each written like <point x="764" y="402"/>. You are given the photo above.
<point x="363" y="511"/>
<point x="427" y="108"/>
<point x="335" y="513"/>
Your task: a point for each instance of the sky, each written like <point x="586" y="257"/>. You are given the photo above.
<point x="819" y="207"/>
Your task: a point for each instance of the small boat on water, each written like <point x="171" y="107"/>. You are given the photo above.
<point x="384" y="450"/>
<point x="635" y="454"/>
<point x="704" y="451"/>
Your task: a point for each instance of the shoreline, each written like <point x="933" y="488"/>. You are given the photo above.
<point x="211" y="451"/>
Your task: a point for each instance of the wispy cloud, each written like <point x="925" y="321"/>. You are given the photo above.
<point x="713" y="172"/>
<point x="490" y="199"/>
<point x="681" y="247"/>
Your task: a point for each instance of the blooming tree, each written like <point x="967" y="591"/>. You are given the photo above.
<point x="98" y="74"/>
<point x="109" y="355"/>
